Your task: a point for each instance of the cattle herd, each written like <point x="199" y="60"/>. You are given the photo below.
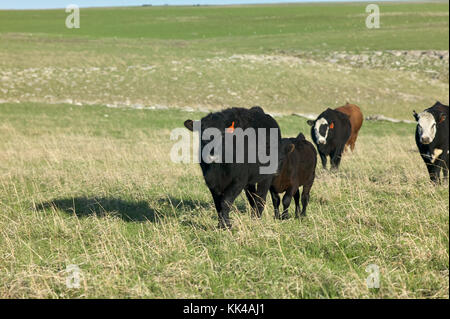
<point x="333" y="132"/>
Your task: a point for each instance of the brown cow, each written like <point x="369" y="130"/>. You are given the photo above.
<point x="356" y="120"/>
<point x="297" y="169"/>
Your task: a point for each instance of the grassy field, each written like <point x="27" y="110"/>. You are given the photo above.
<point x="297" y="58"/>
<point x="86" y="176"/>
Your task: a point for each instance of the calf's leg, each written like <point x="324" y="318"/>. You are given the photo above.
<point x="297" y="202"/>
<point x="287" y="201"/>
<point x="275" y="201"/>
<point x="305" y="198"/>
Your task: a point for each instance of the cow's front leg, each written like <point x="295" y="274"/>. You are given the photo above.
<point x="336" y="157"/>
<point x="217" y="198"/>
<point x="444" y="166"/>
<point x="250" y="192"/>
<point x="261" y="194"/>
<point x="227" y="200"/>
<point x="445" y="172"/>
<point x="323" y="158"/>
<point x="434" y="171"/>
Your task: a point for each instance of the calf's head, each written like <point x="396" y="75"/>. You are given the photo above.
<point x="322" y="129"/>
<point x="286" y="148"/>
<point x="427" y="125"/>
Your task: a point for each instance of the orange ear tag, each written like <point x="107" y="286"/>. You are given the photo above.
<point x="332" y="125"/>
<point x="230" y="129"/>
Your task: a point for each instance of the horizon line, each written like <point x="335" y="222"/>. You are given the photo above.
<point x="149" y="5"/>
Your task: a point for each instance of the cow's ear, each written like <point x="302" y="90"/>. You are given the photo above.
<point x="288" y="149"/>
<point x="332" y="125"/>
<point x="310" y="122"/>
<point x="257" y="109"/>
<point x="442" y="117"/>
<point x="189" y="124"/>
<point x="416" y="116"/>
<point x="230" y="129"/>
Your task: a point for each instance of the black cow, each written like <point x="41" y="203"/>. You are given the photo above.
<point x="297" y="170"/>
<point x="226" y="180"/>
<point x="330" y="131"/>
<point x="432" y="133"/>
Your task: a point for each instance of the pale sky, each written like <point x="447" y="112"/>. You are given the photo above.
<point x="47" y="4"/>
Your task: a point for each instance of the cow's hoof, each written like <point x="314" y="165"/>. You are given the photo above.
<point x="255" y="215"/>
<point x="285" y="216"/>
<point x="224" y="225"/>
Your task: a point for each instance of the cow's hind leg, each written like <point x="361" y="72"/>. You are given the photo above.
<point x="352" y="145"/>
<point x="297" y="202"/>
<point x="276" y="202"/>
<point x="287" y="201"/>
<point x="305" y="198"/>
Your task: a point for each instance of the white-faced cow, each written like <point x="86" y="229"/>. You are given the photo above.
<point x="330" y="132"/>
<point x="226" y="179"/>
<point x="432" y="133"/>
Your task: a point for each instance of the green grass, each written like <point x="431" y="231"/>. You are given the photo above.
<point x="339" y="26"/>
<point x="288" y="58"/>
<point x="86" y="184"/>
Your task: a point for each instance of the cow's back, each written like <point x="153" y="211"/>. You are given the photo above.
<point x="442" y="135"/>
<point x="298" y="168"/>
<point x="307" y="160"/>
<point x="354" y="113"/>
<point x="255" y="118"/>
<point x="439" y="108"/>
<point x="356" y="119"/>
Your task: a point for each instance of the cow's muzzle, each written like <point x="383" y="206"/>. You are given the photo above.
<point x="425" y="140"/>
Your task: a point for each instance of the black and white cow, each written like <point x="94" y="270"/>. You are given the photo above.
<point x="432" y="133"/>
<point x="330" y="131"/>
